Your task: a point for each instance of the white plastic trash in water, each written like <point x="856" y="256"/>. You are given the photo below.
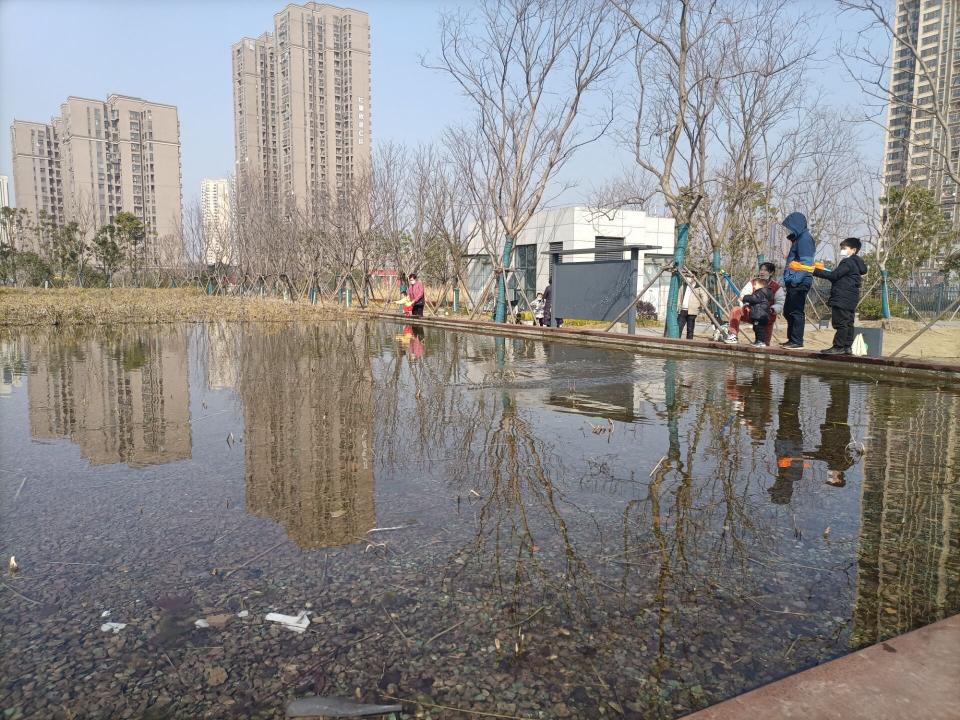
<point x="113" y="627"/>
<point x="297" y="623"/>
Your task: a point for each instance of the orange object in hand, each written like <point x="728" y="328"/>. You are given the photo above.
<point x="784" y="462"/>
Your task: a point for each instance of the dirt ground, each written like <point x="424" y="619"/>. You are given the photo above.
<point x="941" y="343"/>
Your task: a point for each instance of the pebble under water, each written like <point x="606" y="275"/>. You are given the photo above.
<point x="510" y="527"/>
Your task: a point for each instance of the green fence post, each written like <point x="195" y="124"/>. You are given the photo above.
<point x="349" y="296"/>
<point x="456" y="299"/>
<point x="884" y="295"/>
<point x="683" y="234"/>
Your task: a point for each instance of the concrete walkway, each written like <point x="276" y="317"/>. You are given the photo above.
<point x="916" y="675"/>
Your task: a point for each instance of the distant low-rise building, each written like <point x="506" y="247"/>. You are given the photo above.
<point x="608" y="231"/>
<point x="99" y="158"/>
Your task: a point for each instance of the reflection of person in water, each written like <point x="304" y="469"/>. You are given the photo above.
<point x="751" y="399"/>
<point x="416" y="341"/>
<point x="835" y="434"/>
<point x="788" y="443"/>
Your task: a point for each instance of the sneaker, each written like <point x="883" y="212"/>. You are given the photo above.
<point x="758" y="344"/>
<point x="731" y="339"/>
<point x="790" y="346"/>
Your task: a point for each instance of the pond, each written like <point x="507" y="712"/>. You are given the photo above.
<point x="512" y="527"/>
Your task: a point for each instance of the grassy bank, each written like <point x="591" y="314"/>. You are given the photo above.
<point x="116" y="306"/>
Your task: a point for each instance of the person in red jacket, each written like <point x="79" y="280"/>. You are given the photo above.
<point x="416" y="295"/>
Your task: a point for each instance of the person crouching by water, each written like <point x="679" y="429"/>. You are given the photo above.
<point x="759" y="301"/>
<point x="767" y="270"/>
<point x="845" y="282"/>
<point x="416" y="295"/>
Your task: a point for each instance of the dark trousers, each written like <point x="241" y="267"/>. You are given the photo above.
<point x="760" y="331"/>
<point x="417" y="310"/>
<point x="843" y="324"/>
<point x="793" y="310"/>
<point x="685" y="318"/>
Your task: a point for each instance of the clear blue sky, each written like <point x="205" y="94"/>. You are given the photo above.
<point x="178" y="52"/>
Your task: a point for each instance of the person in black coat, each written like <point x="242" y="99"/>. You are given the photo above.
<point x="845" y="282"/>
<point x="835" y="434"/>
<point x="759" y="301"/>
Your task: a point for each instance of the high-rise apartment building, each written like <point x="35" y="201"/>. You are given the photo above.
<point x="917" y="145"/>
<point x="4" y="202"/>
<point x="215" y="198"/>
<point x="301" y="103"/>
<point x="97" y="159"/>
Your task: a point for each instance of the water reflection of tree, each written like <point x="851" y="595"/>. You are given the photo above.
<point x="307" y="402"/>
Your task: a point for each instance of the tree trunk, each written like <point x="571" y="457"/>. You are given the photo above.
<point x="683" y="234"/>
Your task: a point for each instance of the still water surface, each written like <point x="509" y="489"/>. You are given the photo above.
<point x="508" y="526"/>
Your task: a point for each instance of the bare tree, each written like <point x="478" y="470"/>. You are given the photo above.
<point x="527" y="67"/>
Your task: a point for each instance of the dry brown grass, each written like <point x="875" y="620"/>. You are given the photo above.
<point x="117" y="306"/>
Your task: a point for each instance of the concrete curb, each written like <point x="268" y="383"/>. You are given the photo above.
<point x="903" y="367"/>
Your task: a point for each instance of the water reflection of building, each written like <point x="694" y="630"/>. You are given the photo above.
<point x="908" y="560"/>
<point x="222" y="355"/>
<point x="578" y="382"/>
<point x="121" y="399"/>
<point x="307" y="405"/>
<point x="11" y="365"/>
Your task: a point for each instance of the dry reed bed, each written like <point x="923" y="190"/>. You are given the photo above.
<point x="117" y="306"/>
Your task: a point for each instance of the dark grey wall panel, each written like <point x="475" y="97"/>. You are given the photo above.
<point x="593" y="291"/>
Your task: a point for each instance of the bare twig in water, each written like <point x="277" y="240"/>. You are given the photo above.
<point x="255" y="557"/>
<point x="233" y="529"/>
<point x="481" y="713"/>
<point x="394" y="623"/>
<point x="444" y="632"/>
<point x="527" y="619"/>
<point x="175" y="669"/>
<point x="778" y="612"/>
<point x="657" y="466"/>
<point x="20" y="594"/>
<point x="395" y="527"/>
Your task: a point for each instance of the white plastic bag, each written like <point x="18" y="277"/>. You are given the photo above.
<point x="859" y="346"/>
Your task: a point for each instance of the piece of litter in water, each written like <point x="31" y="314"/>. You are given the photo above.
<point x="113" y="627"/>
<point x="338" y="707"/>
<point x="202" y="624"/>
<point x="105" y="613"/>
<point x="243" y="614"/>
<point x="297" y="623"/>
<point x="338" y="513"/>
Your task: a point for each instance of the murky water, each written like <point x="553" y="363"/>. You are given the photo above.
<point x="523" y="529"/>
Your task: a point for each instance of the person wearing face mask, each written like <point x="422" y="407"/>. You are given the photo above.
<point x="797" y="277"/>
<point x="845" y="282"/>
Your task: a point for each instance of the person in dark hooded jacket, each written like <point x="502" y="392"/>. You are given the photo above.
<point x="845" y="282"/>
<point x="797" y="281"/>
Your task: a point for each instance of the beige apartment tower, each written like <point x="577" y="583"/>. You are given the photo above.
<point x="215" y="201"/>
<point x="97" y="159"/>
<point x="301" y="104"/>
<point x="916" y="144"/>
